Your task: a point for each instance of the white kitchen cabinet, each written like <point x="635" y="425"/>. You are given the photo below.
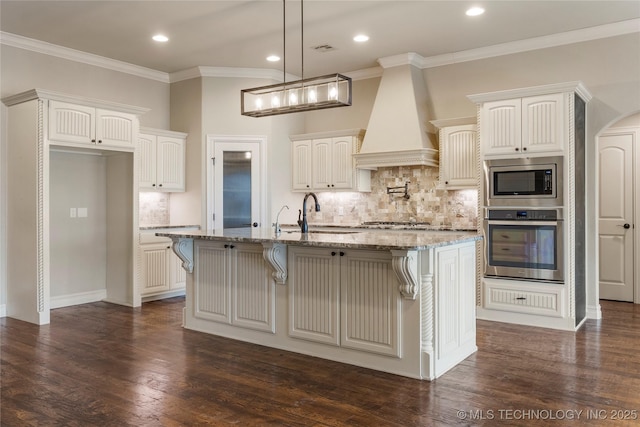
<point x="81" y="124"/>
<point x="337" y="304"/>
<point x="233" y="285"/>
<point x="301" y="165"/>
<point x="162" y="273"/>
<point x="532" y="125"/>
<point x="458" y="152"/>
<point x="162" y="160"/>
<point x="324" y="162"/>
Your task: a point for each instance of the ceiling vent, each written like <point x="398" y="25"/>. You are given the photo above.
<point x="322" y="48"/>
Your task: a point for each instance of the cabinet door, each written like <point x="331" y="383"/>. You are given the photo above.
<point x="370" y="303"/>
<point x="301" y="165"/>
<point x="322" y="158"/>
<point x="147" y="169"/>
<point x="501" y="127"/>
<point x="543" y="123"/>
<point x="155" y="268"/>
<point x="178" y="274"/>
<point x="71" y="123"/>
<point x="313" y="285"/>
<point x="115" y="128"/>
<point x="253" y="289"/>
<point x="212" y="285"/>
<point x="458" y="157"/>
<point x="342" y="162"/>
<point x="170" y="163"/>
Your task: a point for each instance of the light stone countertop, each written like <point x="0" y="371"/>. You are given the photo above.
<point x="165" y="226"/>
<point x="355" y="238"/>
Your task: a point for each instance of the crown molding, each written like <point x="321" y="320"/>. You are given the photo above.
<point x="544" y="42"/>
<point x="38" y="46"/>
<point x="411" y="58"/>
<point x="576" y="86"/>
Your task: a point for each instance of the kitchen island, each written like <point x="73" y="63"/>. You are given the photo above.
<point x="401" y="302"/>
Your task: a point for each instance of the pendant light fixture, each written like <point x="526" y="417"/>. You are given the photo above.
<point x="316" y="93"/>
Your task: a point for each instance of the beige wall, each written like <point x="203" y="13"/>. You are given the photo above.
<point x="22" y="70"/>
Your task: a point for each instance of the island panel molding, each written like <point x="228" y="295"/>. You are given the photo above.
<point x="336" y="285"/>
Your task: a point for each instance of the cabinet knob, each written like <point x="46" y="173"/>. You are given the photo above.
<point x="524" y="148"/>
<point x="333" y="254"/>
<point x="153" y="185"/>
<point x="168" y="247"/>
<point x="226" y="246"/>
<point x="332" y="185"/>
<point x="341" y="253"/>
<point x="328" y="185"/>
<point x="446" y="182"/>
<point x="159" y="185"/>
<point x="517" y="149"/>
<point x="307" y="185"/>
<point x="99" y="141"/>
<point x="231" y="246"/>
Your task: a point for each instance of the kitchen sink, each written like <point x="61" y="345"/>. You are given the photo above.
<point x="322" y="231"/>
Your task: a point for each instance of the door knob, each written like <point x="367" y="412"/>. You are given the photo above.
<point x="626" y="226"/>
<point x="255" y="224"/>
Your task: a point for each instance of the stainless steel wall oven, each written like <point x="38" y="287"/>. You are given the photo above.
<point x="524" y="244"/>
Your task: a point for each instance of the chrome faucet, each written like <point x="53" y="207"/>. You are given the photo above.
<point x="277" y="224"/>
<point x="304" y="227"/>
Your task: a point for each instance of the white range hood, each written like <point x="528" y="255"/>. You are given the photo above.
<point x="396" y="134"/>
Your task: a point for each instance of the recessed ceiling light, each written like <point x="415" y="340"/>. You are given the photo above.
<point x="474" y="11"/>
<point x="160" y="38"/>
<point x="273" y="58"/>
<point x="360" y="38"/>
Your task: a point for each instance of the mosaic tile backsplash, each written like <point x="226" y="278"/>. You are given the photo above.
<point x="154" y="209"/>
<point x="438" y="207"/>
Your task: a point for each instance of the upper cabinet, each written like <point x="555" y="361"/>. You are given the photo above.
<point x="525" y="126"/>
<point x="81" y="124"/>
<point x="458" y="156"/>
<point x="162" y="160"/>
<point x="324" y="162"/>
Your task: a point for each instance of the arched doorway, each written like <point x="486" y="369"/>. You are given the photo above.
<point x="618" y="210"/>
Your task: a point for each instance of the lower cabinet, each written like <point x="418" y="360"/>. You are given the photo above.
<point x="346" y="298"/>
<point x="162" y="272"/>
<point x="233" y="285"/>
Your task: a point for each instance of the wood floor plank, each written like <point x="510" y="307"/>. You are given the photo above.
<point x="105" y="365"/>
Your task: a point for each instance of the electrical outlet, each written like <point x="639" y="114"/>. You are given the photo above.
<point x="340" y="210"/>
<point x="73" y="212"/>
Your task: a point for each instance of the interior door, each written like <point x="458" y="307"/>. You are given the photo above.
<point x="235" y="194"/>
<point x="615" y="216"/>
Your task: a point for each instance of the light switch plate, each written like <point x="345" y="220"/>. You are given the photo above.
<point x="83" y="212"/>
<point x="72" y="213"/>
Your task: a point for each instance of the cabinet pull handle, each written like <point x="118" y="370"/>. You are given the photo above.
<point x="226" y="246"/>
<point x="93" y="140"/>
<point x="168" y="247"/>
<point x="231" y="246"/>
<point x="521" y="298"/>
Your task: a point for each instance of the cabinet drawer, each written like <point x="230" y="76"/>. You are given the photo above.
<point x="540" y="299"/>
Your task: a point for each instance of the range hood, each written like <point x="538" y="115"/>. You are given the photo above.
<point x="397" y="134"/>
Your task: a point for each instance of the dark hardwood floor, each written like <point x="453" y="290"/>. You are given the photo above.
<point x="106" y="365"/>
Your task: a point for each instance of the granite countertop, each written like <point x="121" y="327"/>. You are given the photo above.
<point x="385" y="225"/>
<point x="362" y="239"/>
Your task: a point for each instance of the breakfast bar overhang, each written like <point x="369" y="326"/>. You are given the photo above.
<point x="401" y="302"/>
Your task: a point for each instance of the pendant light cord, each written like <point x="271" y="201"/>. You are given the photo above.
<point x="284" y="42"/>
<point x="302" y="39"/>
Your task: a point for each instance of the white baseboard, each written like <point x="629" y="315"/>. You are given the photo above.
<point x="163" y="295"/>
<point x="594" y="312"/>
<point x="3" y="310"/>
<point x="78" y="298"/>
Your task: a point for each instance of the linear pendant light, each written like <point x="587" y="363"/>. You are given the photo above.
<point x="316" y="93"/>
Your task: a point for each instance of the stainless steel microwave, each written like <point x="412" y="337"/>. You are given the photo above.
<point x="524" y="182"/>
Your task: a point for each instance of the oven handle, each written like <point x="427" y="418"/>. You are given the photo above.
<point x="532" y="223"/>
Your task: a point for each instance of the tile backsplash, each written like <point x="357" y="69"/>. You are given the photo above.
<point x="154" y="209"/>
<point x="438" y="207"/>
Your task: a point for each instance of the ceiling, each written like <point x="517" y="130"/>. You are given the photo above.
<point x="241" y="34"/>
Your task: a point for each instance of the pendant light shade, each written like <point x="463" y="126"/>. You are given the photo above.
<point x="316" y="93"/>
